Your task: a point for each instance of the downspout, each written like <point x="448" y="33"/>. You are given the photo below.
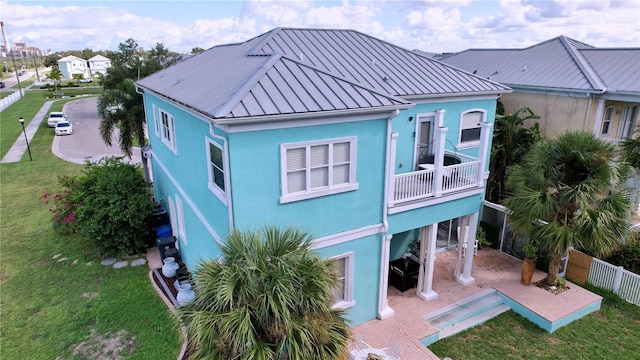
<point x="384" y="311"/>
<point x="227" y="175"/>
<point x="143" y="158"/>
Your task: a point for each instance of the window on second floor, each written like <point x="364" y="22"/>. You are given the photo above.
<point x="167" y="130"/>
<point x="318" y="168"/>
<point x="216" y="169"/>
<point x="607" y="119"/>
<point x="470" y="128"/>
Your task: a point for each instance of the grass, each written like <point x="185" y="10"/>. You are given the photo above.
<point x="611" y="333"/>
<point x="24" y="83"/>
<point x="49" y="306"/>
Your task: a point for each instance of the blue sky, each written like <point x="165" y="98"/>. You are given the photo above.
<point x="428" y="25"/>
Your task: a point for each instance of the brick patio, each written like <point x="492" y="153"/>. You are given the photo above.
<point x="491" y="269"/>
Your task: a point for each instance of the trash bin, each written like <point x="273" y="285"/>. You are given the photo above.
<point x="165" y="244"/>
<point x="163" y="231"/>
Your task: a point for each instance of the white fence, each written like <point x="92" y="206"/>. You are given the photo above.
<point x="615" y="278"/>
<point x="4" y="103"/>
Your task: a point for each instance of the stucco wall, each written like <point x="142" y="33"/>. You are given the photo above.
<point x="557" y="113"/>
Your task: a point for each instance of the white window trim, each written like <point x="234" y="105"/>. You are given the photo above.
<point x="470" y="144"/>
<point x="170" y="143"/>
<point x="609" y="121"/>
<point x="348" y="281"/>
<point x="172" y="214"/>
<point x="331" y="189"/>
<point x="155" y="119"/>
<point x="182" y="232"/>
<point x="215" y="189"/>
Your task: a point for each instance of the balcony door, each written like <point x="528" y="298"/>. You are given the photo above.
<point x="424" y="138"/>
<point x="627" y="122"/>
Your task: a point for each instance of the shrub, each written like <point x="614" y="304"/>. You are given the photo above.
<point x="628" y="255"/>
<point x="108" y="204"/>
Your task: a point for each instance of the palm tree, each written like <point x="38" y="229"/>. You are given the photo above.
<point x="511" y="142"/>
<point x="568" y="192"/>
<point x="270" y="298"/>
<point x="630" y="151"/>
<point x="56" y="76"/>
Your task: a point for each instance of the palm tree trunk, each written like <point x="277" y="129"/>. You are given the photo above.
<point x="554" y="268"/>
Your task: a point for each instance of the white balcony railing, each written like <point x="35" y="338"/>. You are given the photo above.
<point x="420" y="185"/>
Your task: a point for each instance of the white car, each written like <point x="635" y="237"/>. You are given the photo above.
<point x="55" y="117"/>
<point x="64" y="127"/>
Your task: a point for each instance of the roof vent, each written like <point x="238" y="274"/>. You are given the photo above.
<point x="301" y="57"/>
<point x="524" y="68"/>
<point x="178" y="81"/>
<point x="385" y="78"/>
<point x="373" y="61"/>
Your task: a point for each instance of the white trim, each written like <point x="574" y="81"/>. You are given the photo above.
<point x="193" y="206"/>
<point x="345" y="236"/>
<point x="448" y="97"/>
<point x="430" y="117"/>
<point x="154" y="108"/>
<point x="168" y="130"/>
<point x="215" y="189"/>
<point x="597" y="126"/>
<point x="348" y="300"/>
<point x="610" y="120"/>
<point x="172" y="214"/>
<point x="430" y="201"/>
<point x="182" y="232"/>
<point x="470" y="144"/>
<point x="297" y="123"/>
<point x="310" y="192"/>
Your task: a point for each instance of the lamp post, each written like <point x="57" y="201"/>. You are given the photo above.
<point x="21" y="119"/>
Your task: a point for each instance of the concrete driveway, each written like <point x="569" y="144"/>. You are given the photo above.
<point x="85" y="144"/>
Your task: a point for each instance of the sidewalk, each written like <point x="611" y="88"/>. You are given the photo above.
<point x="20" y="146"/>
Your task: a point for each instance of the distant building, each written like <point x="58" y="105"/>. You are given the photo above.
<point x="99" y="64"/>
<point x="73" y="65"/>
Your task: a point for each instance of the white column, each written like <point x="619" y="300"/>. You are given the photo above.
<point x="463" y="222"/>
<point x="439" y="140"/>
<point x="391" y="180"/>
<point x="465" y="278"/>
<point x="428" y="236"/>
<point x="384" y="311"/>
<point x="485" y="136"/>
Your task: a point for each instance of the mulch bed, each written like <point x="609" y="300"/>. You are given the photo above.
<point x="543" y="285"/>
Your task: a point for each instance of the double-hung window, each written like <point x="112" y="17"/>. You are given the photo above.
<point x="343" y="292"/>
<point x="167" y="130"/>
<point x="216" y="166"/>
<point x="318" y="168"/>
<point x="607" y="119"/>
<point x="470" y="128"/>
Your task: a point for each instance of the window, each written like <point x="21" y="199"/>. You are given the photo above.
<point x="343" y="292"/>
<point x="216" y="169"/>
<point x="627" y="122"/>
<point x="182" y="232"/>
<point x="318" y="168"/>
<point x="167" y="130"/>
<point x="607" y="119"/>
<point x="470" y="128"/>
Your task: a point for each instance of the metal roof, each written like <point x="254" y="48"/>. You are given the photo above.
<point x="559" y="63"/>
<point x="287" y="71"/>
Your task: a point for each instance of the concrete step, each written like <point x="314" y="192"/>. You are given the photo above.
<point x="473" y="321"/>
<point x="461" y="303"/>
<point x="467" y="311"/>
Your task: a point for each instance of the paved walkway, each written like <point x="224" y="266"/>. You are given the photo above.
<point x="20" y="146"/>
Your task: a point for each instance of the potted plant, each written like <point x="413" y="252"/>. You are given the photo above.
<point x="528" y="265"/>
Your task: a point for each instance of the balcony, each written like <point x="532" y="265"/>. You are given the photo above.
<point x="455" y="176"/>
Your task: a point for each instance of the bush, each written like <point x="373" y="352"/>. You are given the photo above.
<point x="628" y="255"/>
<point x="108" y="204"/>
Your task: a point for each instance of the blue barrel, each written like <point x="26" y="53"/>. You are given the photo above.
<point x="163" y="231"/>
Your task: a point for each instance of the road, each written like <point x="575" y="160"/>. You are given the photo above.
<point x="86" y="143"/>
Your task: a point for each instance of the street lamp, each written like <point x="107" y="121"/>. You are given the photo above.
<point x="21" y="119"/>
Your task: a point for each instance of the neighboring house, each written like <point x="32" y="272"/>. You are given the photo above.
<point x="365" y="145"/>
<point x="99" y="65"/>
<point x="73" y="65"/>
<point x="570" y="84"/>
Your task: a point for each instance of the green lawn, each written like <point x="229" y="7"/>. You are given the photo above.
<point x="48" y="306"/>
<point x="611" y="333"/>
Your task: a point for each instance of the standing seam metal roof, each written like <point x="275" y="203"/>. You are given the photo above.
<point x="293" y="71"/>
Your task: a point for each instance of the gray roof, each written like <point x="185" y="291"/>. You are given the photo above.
<point x="301" y="71"/>
<point x="557" y="64"/>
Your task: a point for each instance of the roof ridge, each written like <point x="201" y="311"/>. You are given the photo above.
<point x="585" y="67"/>
<point x="248" y="85"/>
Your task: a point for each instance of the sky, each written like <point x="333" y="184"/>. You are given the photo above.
<point x="429" y="25"/>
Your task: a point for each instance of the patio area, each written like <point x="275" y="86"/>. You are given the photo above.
<point x="491" y="269"/>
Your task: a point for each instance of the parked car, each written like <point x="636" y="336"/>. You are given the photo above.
<point x="64" y="127"/>
<point x="55" y="117"/>
<point x="85" y="80"/>
<point x="22" y="72"/>
<point x="2" y="85"/>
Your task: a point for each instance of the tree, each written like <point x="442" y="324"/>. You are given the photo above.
<point x="630" y="151"/>
<point x="568" y="192"/>
<point x="511" y="142"/>
<point x="56" y="76"/>
<point x="270" y="298"/>
<point x="197" y="50"/>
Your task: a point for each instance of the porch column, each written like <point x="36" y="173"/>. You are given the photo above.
<point x="597" y="126"/>
<point x="391" y="175"/>
<point x="465" y="278"/>
<point x="463" y="222"/>
<point x="428" y="235"/>
<point x="485" y="130"/>
<point x="439" y="139"/>
<point x="384" y="311"/>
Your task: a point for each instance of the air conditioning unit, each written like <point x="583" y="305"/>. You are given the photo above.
<point x="146" y="151"/>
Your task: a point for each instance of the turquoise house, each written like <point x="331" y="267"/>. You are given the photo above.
<point x="371" y="148"/>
